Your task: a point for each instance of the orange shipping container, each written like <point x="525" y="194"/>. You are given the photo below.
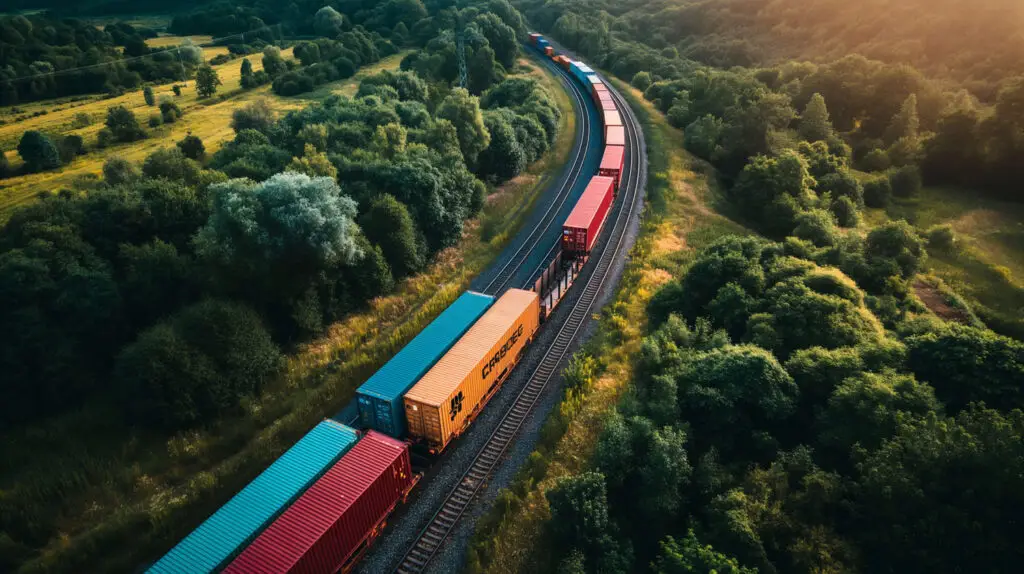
<point x="443" y="403"/>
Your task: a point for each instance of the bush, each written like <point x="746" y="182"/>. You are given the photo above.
<point x="875" y="160"/>
<point x="846" y="212"/>
<point x="941" y="238"/>
<point x="155" y="120"/>
<point x="38" y="151"/>
<point x="117" y="170"/>
<point x="256" y="116"/>
<point x="169" y="111"/>
<point x="105" y="138"/>
<point x="192" y="147"/>
<point x="122" y="123"/>
<point x="71" y="146"/>
<point x="171" y="163"/>
<point x="177" y="90"/>
<point x="147" y="94"/>
<point x="81" y="120"/>
<point x="816" y="226"/>
<point x="293" y="84"/>
<point x="641" y="81"/>
<point x="878" y="192"/>
<point x="905" y="181"/>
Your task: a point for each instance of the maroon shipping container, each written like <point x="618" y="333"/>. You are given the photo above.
<point x="534" y="37"/>
<point x="611" y="163"/>
<point x="581" y="228"/>
<point x="612" y="119"/>
<point x="328" y="527"/>
<point x="549" y="52"/>
<point x="615" y="135"/>
<point x="608" y="106"/>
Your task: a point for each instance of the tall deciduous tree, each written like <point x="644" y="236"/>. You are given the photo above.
<point x="38" y="151"/>
<point x="906" y="123"/>
<point x="207" y="81"/>
<point x="387" y="224"/>
<point x="463" y="111"/>
<point x="815" y="124"/>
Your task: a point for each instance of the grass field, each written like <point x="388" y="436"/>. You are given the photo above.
<point x="988" y="267"/>
<point x="680" y="219"/>
<point x="122" y="497"/>
<point x="208" y="119"/>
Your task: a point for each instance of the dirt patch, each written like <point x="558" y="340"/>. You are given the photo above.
<point x="936" y="303"/>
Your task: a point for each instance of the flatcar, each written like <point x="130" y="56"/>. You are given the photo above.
<point x="583" y="226"/>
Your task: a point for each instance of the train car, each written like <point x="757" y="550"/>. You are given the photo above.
<point x="592" y="83"/>
<point x="580" y="71"/>
<point x="582" y="227"/>
<point x="448" y="397"/>
<point x="534" y="37"/>
<point x="380" y="398"/>
<point x="549" y="51"/>
<point x="612" y="118"/>
<point x="615" y="135"/>
<point x="563" y="61"/>
<point x="612" y="162"/>
<point x="600" y="93"/>
<point x="543" y="45"/>
<point x="608" y="106"/>
<point x="329" y="527"/>
<point x="244" y="516"/>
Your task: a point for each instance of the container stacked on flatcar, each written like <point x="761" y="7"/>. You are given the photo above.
<point x="612" y="162"/>
<point x="580" y="71"/>
<point x="615" y="135"/>
<point x="582" y="227"/>
<point x="330" y="525"/>
<point x="244" y="516"/>
<point x="380" y="398"/>
<point x="446" y="400"/>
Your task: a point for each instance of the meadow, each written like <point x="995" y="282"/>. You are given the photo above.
<point x="209" y="119"/>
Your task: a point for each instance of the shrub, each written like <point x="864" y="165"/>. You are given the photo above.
<point x="192" y="147"/>
<point x="641" y="81"/>
<point x="878" y="192"/>
<point x="104" y="138"/>
<point x="941" y="238"/>
<point x="81" y="120"/>
<point x="177" y="90"/>
<point x="71" y="146"/>
<point x="117" y="170"/>
<point x="816" y="226"/>
<point x="147" y="94"/>
<point x="875" y="160"/>
<point x="155" y="120"/>
<point x="256" y="116"/>
<point x="906" y="181"/>
<point x="846" y="212"/>
<point x="169" y="111"/>
<point x="122" y="123"/>
<point x="38" y="151"/>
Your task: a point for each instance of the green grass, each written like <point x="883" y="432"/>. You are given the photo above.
<point x="988" y="267"/>
<point x="105" y="498"/>
<point x="680" y="218"/>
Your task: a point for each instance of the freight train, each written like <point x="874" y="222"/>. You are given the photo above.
<point x="319" y="506"/>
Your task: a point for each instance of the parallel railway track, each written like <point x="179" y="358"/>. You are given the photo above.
<point x="433" y="535"/>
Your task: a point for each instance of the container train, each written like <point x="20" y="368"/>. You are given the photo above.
<point x="319" y="506"/>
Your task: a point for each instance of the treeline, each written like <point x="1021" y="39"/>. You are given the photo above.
<point x="45" y="57"/>
<point x="948" y="133"/>
<point x="775" y="425"/>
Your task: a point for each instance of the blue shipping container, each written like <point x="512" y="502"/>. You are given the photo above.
<point x="580" y="71"/>
<point x="380" y="398"/>
<point x="244" y="516"/>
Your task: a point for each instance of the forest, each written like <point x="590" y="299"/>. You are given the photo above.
<point x="795" y="407"/>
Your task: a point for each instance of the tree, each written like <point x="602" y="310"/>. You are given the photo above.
<point x="387" y="224"/>
<point x="118" y="171"/>
<point x="689" y="556"/>
<point x="943" y="495"/>
<point x="504" y="158"/>
<point x="463" y="111"/>
<point x="641" y="80"/>
<point x="483" y="71"/>
<point x="389" y="140"/>
<point x="246" y="74"/>
<point x="313" y="163"/>
<point x="189" y="53"/>
<point x="123" y="124"/>
<point x="906" y="181"/>
<point x="905" y="124"/>
<point x="171" y="164"/>
<point x="38" y="151"/>
<point x="257" y="115"/>
<point x="147" y="94"/>
<point x="273" y="63"/>
<point x="192" y="147"/>
<point x="814" y="122"/>
<point x="328" y="22"/>
<point x="197" y="365"/>
<point x="898" y="246"/>
<point x="156" y="281"/>
<point x="967" y="364"/>
<point x="207" y="81"/>
<point x="877" y="192"/>
<point x="169" y="111"/>
<point x="580" y="520"/>
<point x="768" y="182"/>
<point x="817" y="226"/>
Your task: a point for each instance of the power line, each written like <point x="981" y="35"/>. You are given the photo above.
<point x="176" y="49"/>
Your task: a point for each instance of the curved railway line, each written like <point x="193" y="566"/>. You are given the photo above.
<point x="459" y="498"/>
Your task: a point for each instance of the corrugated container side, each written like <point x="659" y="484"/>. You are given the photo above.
<point x="245" y="515"/>
<point x="448" y="397"/>
<point x="549" y="51"/>
<point x="608" y="106"/>
<point x="600" y="92"/>
<point x="615" y="135"/>
<point x="582" y="227"/>
<point x="330" y="522"/>
<point x="380" y="397"/>
<point x="612" y="162"/>
<point x="594" y="81"/>
<point x="612" y="119"/>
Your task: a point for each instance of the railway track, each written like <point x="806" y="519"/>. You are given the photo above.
<point x="507" y="272"/>
<point x="430" y="539"/>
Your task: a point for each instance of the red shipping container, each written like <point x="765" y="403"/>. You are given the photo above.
<point x="605" y="96"/>
<point x="338" y="516"/>
<point x="549" y="52"/>
<point x="581" y="228"/>
<point x="615" y="135"/>
<point x="608" y="106"/>
<point x="612" y="119"/>
<point x="534" y="37"/>
<point x="598" y="90"/>
<point x="563" y="61"/>
<point x="611" y="163"/>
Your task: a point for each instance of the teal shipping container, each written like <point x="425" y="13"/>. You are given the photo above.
<point x="239" y="521"/>
<point x="380" y="398"/>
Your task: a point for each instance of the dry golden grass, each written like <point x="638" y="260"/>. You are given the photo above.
<point x="208" y="119"/>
